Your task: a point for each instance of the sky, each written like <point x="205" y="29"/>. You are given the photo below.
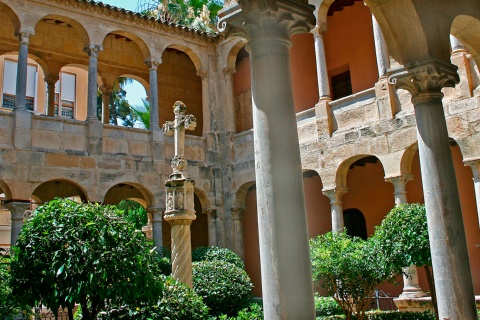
<point x="126" y="4"/>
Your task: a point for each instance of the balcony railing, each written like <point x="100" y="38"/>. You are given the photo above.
<point x="9" y="102"/>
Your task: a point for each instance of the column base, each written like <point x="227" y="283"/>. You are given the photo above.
<point x="412" y="294"/>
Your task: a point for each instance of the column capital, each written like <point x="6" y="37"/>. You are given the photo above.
<point x="399" y="181"/>
<point x="319" y="29"/>
<point x="157" y="213"/>
<point x="24" y="35"/>
<point x="93" y="50"/>
<point x="203" y="74"/>
<point x="229" y="71"/>
<point x="475" y="165"/>
<point x="105" y="90"/>
<point x="152" y="63"/>
<point x="423" y="78"/>
<point x="51" y="78"/>
<point x="251" y="19"/>
<point x="335" y="195"/>
<point x="211" y="213"/>
<point x="237" y="213"/>
<point x="17" y="209"/>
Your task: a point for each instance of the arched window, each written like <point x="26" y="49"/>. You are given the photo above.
<point x="355" y="224"/>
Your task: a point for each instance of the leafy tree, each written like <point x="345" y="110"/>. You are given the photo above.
<point x="142" y="113"/>
<point x="70" y="253"/>
<point x="134" y="213"/>
<point x="403" y="239"/>
<point x="195" y="14"/>
<point x="349" y="269"/>
<point x="119" y="107"/>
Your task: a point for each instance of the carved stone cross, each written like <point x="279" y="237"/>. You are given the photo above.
<point x="177" y="128"/>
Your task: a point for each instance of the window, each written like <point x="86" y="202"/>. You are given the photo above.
<point x="341" y="85"/>
<point x="65" y="92"/>
<point x="10" y="84"/>
<point x="355" y="224"/>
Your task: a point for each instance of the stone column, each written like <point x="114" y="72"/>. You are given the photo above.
<point x="322" y="71"/>
<point x="157" y="220"/>
<point x="335" y="196"/>
<point x="284" y="254"/>
<point x="229" y="99"/>
<point x="205" y="101"/>
<point x="212" y="226"/>
<point x="381" y="51"/>
<point x="411" y="286"/>
<point x="238" y="231"/>
<point x="106" y="92"/>
<point x="17" y="211"/>
<point x="425" y="80"/>
<point x="21" y="89"/>
<point x="475" y="165"/>
<point x="152" y="65"/>
<point x="92" y="50"/>
<point x="51" y="80"/>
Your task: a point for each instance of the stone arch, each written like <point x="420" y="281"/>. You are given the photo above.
<point x="241" y="194"/>
<point x="407" y="158"/>
<point x="467" y="29"/>
<point x="202" y="197"/>
<point x="58" y="19"/>
<point x="131" y="191"/>
<point x="355" y="223"/>
<point x="5" y="190"/>
<point x="42" y="63"/>
<point x="342" y="170"/>
<point x="143" y="81"/>
<point x="11" y="14"/>
<point x="321" y="10"/>
<point x="141" y="44"/>
<point x="233" y="52"/>
<point x="194" y="56"/>
<point x="62" y="188"/>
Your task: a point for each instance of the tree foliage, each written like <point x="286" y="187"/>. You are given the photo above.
<point x="70" y="253"/>
<point x="142" y="113"/>
<point x="349" y="269"/>
<point x="119" y="108"/>
<point x="134" y="213"/>
<point x="196" y="14"/>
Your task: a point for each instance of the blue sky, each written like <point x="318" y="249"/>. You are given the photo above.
<point x="126" y="4"/>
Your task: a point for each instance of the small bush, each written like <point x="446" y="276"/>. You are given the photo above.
<point x="327" y="306"/>
<point x="217" y="253"/>
<point x="165" y="265"/>
<point x="388" y="315"/>
<point x="224" y="287"/>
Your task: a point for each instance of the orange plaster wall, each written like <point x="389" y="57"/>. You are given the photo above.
<point x="349" y="41"/>
<point x="318" y="207"/>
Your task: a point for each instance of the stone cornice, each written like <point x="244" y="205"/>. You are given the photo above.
<point x="90" y="6"/>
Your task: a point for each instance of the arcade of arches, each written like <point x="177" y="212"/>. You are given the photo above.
<point x="358" y="144"/>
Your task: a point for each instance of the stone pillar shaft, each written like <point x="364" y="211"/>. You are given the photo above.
<point x="238" y="232"/>
<point x="51" y="81"/>
<point x="22" y="65"/>
<point x="229" y="99"/>
<point x="153" y="94"/>
<point x="106" y="105"/>
<point x="381" y="51"/>
<point x="157" y="226"/>
<point x="212" y="226"/>
<point x="182" y="252"/>
<point x="335" y="196"/>
<point x="93" y="51"/>
<point x="424" y="80"/>
<point x="205" y="101"/>
<point x="284" y="255"/>
<point x="321" y="61"/>
<point x="17" y="211"/>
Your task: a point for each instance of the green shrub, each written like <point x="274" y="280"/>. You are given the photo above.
<point x="165" y="265"/>
<point x="217" y="253"/>
<point x="327" y="306"/>
<point x="177" y="302"/>
<point x="224" y="287"/>
<point x="388" y="315"/>
<point x="253" y="312"/>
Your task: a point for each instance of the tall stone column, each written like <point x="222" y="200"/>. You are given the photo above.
<point x="475" y="165"/>
<point x="152" y="65"/>
<point x="453" y="280"/>
<point x="51" y="80"/>
<point x="157" y="220"/>
<point x="106" y="92"/>
<point x="411" y="285"/>
<point x="335" y="196"/>
<point x="205" y="101"/>
<point x="229" y="99"/>
<point x="92" y="50"/>
<point x="381" y="51"/>
<point x="180" y="210"/>
<point x="21" y="89"/>
<point x="17" y="211"/>
<point x="238" y="231"/>
<point x="212" y="226"/>
<point x="322" y="71"/>
<point x="284" y="254"/>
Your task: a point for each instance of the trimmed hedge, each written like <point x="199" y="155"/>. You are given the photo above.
<point x="217" y="253"/>
<point x="388" y="315"/>
<point x="327" y="306"/>
<point x="224" y="287"/>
